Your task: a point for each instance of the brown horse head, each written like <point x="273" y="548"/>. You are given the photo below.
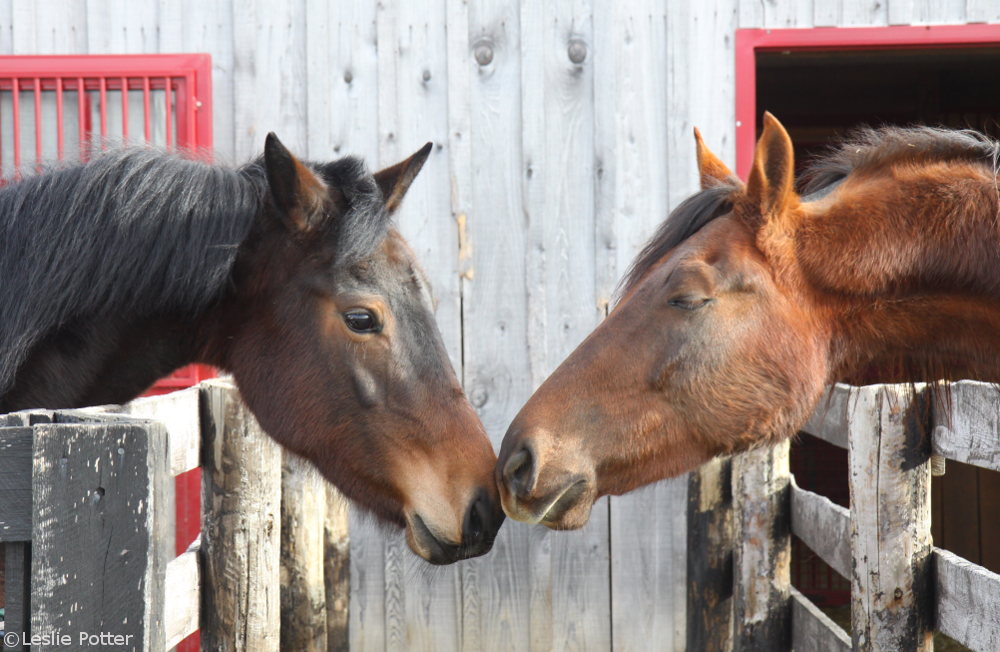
<point x="750" y="299"/>
<point x="331" y="338"/>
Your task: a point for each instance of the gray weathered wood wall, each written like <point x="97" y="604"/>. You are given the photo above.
<point x="563" y="133"/>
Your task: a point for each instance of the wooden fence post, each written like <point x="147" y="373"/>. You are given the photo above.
<point x="100" y="540"/>
<point x="337" y="571"/>
<point x="710" y="557"/>
<point x="303" y="520"/>
<point x="890" y="520"/>
<point x="241" y="526"/>
<point x="762" y="550"/>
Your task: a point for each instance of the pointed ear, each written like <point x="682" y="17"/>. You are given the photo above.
<point x="395" y="181"/>
<point x="297" y="192"/>
<point x="771" y="186"/>
<point x="711" y="170"/>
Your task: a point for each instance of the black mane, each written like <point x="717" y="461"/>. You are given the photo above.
<point x="684" y="221"/>
<point x="137" y="231"/>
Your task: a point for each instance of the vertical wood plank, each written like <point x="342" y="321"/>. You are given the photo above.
<point x="7" y="26"/>
<point x="494" y="303"/>
<point x="48" y="27"/>
<point x="17" y="591"/>
<point x="241" y="526"/>
<point x="924" y="12"/>
<point x="647" y="528"/>
<point x="337" y="572"/>
<point x="303" y="548"/>
<point x="890" y="520"/>
<point x="762" y="552"/>
<point x="197" y="26"/>
<point x="100" y="544"/>
<point x="982" y="11"/>
<point x="710" y="558"/>
<point x="864" y="12"/>
<point x="569" y="593"/>
<point x="413" y="109"/>
<point x="120" y="26"/>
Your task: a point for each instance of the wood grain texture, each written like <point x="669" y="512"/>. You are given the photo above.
<point x="829" y="417"/>
<point x="17" y="591"/>
<point x="710" y="572"/>
<point x="241" y="523"/>
<point x="823" y="526"/>
<point x="16" y="451"/>
<point x="813" y="631"/>
<point x="337" y="571"/>
<point x="762" y="551"/>
<point x="968" y="601"/>
<point x="182" y="586"/>
<point x="423" y="605"/>
<point x="648" y="527"/>
<point x="303" y="547"/>
<point x="890" y="521"/>
<point x="100" y="545"/>
<point x="494" y="301"/>
<point x="966" y="423"/>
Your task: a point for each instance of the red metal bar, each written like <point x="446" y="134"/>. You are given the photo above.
<point x="145" y="108"/>
<point x="59" y="118"/>
<point x="83" y="115"/>
<point x="124" y="109"/>
<point x="38" y="124"/>
<point x="17" y="128"/>
<point x="104" y="113"/>
<point x="751" y="41"/>
<point x="169" y="112"/>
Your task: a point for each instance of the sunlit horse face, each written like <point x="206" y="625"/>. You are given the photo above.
<point x="709" y="351"/>
<point x="347" y="368"/>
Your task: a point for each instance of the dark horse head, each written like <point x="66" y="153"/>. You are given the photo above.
<point x="287" y="274"/>
<point x="750" y="299"/>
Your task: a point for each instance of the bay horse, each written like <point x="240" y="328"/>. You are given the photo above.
<point x="287" y="274"/>
<point x="750" y="299"/>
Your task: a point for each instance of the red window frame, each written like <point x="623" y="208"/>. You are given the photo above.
<point x="751" y="41"/>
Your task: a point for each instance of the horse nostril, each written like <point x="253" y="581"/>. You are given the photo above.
<point x="474" y="529"/>
<point x="519" y="471"/>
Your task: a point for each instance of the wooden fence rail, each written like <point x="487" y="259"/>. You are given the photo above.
<point x="902" y="588"/>
<point x="87" y="518"/>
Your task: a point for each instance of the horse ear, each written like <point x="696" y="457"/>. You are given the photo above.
<point x="395" y="181"/>
<point x="771" y="186"/>
<point x="297" y="192"/>
<point x="711" y="170"/>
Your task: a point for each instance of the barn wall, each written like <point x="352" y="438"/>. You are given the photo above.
<point x="546" y="178"/>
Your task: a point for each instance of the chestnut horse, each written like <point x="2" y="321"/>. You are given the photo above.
<point x="751" y="298"/>
<point x="287" y="274"/>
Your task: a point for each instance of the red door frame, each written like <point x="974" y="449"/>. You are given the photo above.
<point x="751" y="41"/>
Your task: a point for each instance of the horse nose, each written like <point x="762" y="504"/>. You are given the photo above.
<point x="519" y="471"/>
<point x="482" y="520"/>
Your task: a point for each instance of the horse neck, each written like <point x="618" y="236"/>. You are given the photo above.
<point x="907" y="265"/>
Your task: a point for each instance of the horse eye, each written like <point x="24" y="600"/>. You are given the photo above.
<point x="361" y="321"/>
<point x="689" y="303"/>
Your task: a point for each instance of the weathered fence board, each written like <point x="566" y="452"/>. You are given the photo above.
<point x="829" y="418"/>
<point x="17" y="595"/>
<point x="303" y="546"/>
<point x="710" y="572"/>
<point x="823" y="526"/>
<point x="968" y="601"/>
<point x="16" y="450"/>
<point x="99" y="535"/>
<point x="182" y="585"/>
<point x="812" y="630"/>
<point x="966" y="423"/>
<point x="762" y="552"/>
<point x="891" y="607"/>
<point x="241" y="490"/>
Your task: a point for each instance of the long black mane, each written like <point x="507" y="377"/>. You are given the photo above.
<point x="140" y="232"/>
<point x="864" y="150"/>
